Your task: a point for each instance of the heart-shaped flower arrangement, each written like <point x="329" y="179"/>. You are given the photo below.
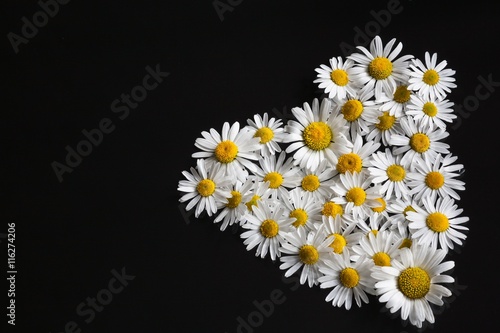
<point x="357" y="193"/>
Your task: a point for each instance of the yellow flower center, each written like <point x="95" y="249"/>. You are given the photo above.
<point x="269" y="228"/>
<point x="382" y="206"/>
<point x="310" y="183"/>
<point x="349" y="162"/>
<point x="430" y="109"/>
<point x="265" y="134"/>
<point x="406" y="243"/>
<point x="339" y="77"/>
<point x="205" y="187"/>
<point x="356" y="195"/>
<point x="300" y="216"/>
<point x="275" y="179"/>
<point x="226" y="151"/>
<point x="374" y="232"/>
<point x="408" y="209"/>
<point x="317" y="135"/>
<point x="381" y="259"/>
<point x="434" y="180"/>
<point x="253" y="202"/>
<point x="330" y="208"/>
<point x="234" y="200"/>
<point x="349" y="277"/>
<point x="338" y="244"/>
<point x="308" y="254"/>
<point x="420" y="142"/>
<point x="396" y="173"/>
<point x="437" y="222"/>
<point x="386" y="121"/>
<point x="414" y="282"/>
<point x="401" y="95"/>
<point x="380" y="68"/>
<point x="431" y="77"/>
<point x="352" y="109"/>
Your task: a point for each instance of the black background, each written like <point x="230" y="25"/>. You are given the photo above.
<point x="119" y="209"/>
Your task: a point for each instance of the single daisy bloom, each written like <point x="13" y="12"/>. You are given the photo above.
<point x="329" y="208"/>
<point x="260" y="195"/>
<point x="234" y="209"/>
<point x="431" y="110"/>
<point x="306" y="211"/>
<point x="381" y="248"/>
<point x="397" y="103"/>
<point x="234" y="150"/>
<point x="336" y="79"/>
<point x="398" y="210"/>
<point x="358" y="159"/>
<point x="382" y="126"/>
<point x="388" y="171"/>
<point x="379" y="68"/>
<point x="304" y="250"/>
<point x="207" y="188"/>
<point x="431" y="80"/>
<point x="344" y="232"/>
<point x="318" y="182"/>
<point x="270" y="132"/>
<point x="438" y="223"/>
<point x="348" y="279"/>
<point x="413" y="281"/>
<point x="265" y="229"/>
<point x="316" y="135"/>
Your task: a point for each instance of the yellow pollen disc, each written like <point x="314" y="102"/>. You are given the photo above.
<point x="226" y="151"/>
<point x="401" y="95"/>
<point x="352" y="109"/>
<point x="382" y="206"/>
<point x="253" y="202"/>
<point x="437" y="222"/>
<point x="408" y="209"/>
<point x="434" y="180"/>
<point x="406" y="243"/>
<point x="349" y="162"/>
<point x="414" y="282"/>
<point x="308" y="254"/>
<point x="380" y="68"/>
<point x="205" y="187"/>
<point x="300" y="216"/>
<point x="349" y="277"/>
<point x="317" y="135"/>
<point x="269" y="228"/>
<point x="386" y="121"/>
<point x="275" y="179"/>
<point x="356" y="195"/>
<point x="374" y="232"/>
<point x="338" y="244"/>
<point x="430" y="109"/>
<point x="381" y="259"/>
<point x="431" y="77"/>
<point x="339" y="77"/>
<point x="396" y="173"/>
<point x="330" y="208"/>
<point x="265" y="134"/>
<point x="310" y="183"/>
<point x="420" y="142"/>
<point x="234" y="200"/>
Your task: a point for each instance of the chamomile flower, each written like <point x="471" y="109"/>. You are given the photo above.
<point x="235" y="207"/>
<point x="330" y="208"/>
<point x="336" y="79"/>
<point x="270" y="131"/>
<point x="381" y="248"/>
<point x="397" y="103"/>
<point x="302" y="206"/>
<point x="379" y="68"/>
<point x="431" y="80"/>
<point x="382" y="126"/>
<point x="387" y="170"/>
<point x="358" y="159"/>
<point x="318" y="183"/>
<point x="413" y="281"/>
<point x="316" y="135"/>
<point x="398" y="210"/>
<point x="377" y="223"/>
<point x="431" y="110"/>
<point x="234" y="150"/>
<point x="260" y="195"/>
<point x="344" y="232"/>
<point x="207" y="188"/>
<point x="348" y="279"/>
<point x="438" y="223"/>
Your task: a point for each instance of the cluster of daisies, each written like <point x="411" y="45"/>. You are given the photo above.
<point x="358" y="193"/>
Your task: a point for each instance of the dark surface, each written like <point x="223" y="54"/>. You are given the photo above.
<point x="119" y="207"/>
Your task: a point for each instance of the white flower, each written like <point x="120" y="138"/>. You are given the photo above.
<point x="270" y="132"/>
<point x="336" y="79"/>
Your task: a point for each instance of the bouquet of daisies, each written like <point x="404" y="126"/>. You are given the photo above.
<point x="358" y="193"/>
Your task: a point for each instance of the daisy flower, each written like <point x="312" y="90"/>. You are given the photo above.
<point x="381" y="248"/>
<point x="431" y="80"/>
<point x="344" y="232"/>
<point x="413" y="282"/>
<point x="382" y="126"/>
<point x="388" y="171"/>
<point x="234" y="209"/>
<point x="358" y="159"/>
<point x="336" y="79"/>
<point x="318" y="183"/>
<point x="379" y="68"/>
<point x="377" y="223"/>
<point x="306" y="251"/>
<point x="266" y="228"/>
<point x="305" y="210"/>
<point x="316" y="135"/>
<point x="348" y="279"/>
<point x="260" y="196"/>
<point x="398" y="210"/>
<point x="397" y="103"/>
<point x="431" y="110"/>
<point x="438" y="222"/>
<point x="270" y="131"/>
<point x="234" y="150"/>
<point x="207" y="189"/>
<point x="330" y="208"/>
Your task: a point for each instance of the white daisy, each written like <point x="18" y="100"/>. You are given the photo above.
<point x="207" y="189"/>
<point x="381" y="248"/>
<point x="306" y="211"/>
<point x="431" y="111"/>
<point x="382" y="126"/>
<point x="398" y="210"/>
<point x="376" y="223"/>
<point x="330" y="208"/>
<point x="431" y="80"/>
<point x="270" y="131"/>
<point x="388" y="171"/>
<point x="318" y="183"/>
<point x="235" y="207"/>
<point x="413" y="281"/>
<point x="260" y="195"/>
<point x="358" y="159"/>
<point x="344" y="232"/>
<point x="336" y="79"/>
<point x="397" y="103"/>
<point x="234" y="150"/>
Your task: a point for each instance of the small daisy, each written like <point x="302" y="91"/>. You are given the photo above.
<point x="377" y="223"/>
<point x="305" y="210"/>
<point x="344" y="232"/>
<point x="207" y="189"/>
<point x="234" y="150"/>
<point x="306" y="251"/>
<point x="430" y="110"/>
<point x="348" y="279"/>
<point x="270" y="131"/>
<point x="438" y="222"/>
<point x="358" y="159"/>
<point x="413" y="282"/>
<point x="235" y="207"/>
<point x="431" y="80"/>
<point x="381" y="248"/>
<point x="318" y="183"/>
<point x="382" y="126"/>
<point x="398" y="102"/>
<point x="266" y="228"/>
<point x="378" y="69"/>
<point x="260" y="195"/>
<point x="330" y="208"/>
<point x="316" y="135"/>
<point x="398" y="210"/>
<point x="336" y="79"/>
<point x="388" y="171"/>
